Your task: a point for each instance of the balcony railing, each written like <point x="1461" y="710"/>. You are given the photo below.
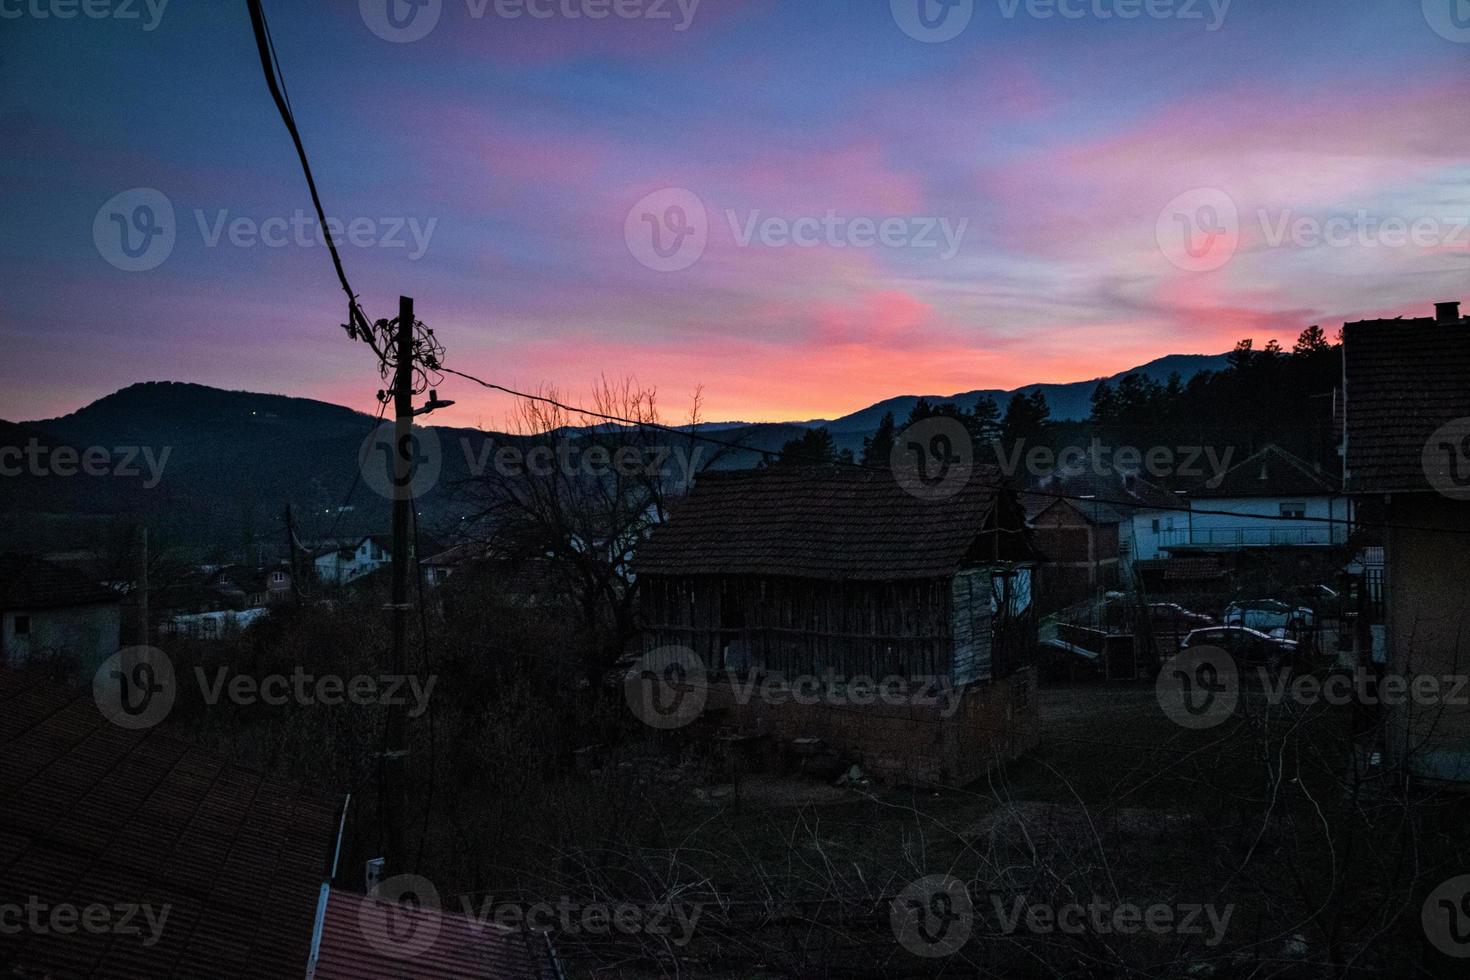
<point x="1261" y="535"/>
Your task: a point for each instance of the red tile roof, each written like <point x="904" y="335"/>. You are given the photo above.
<point x="424" y="944"/>
<point x="839" y="523"/>
<point x="1402" y="380"/>
<point x="92" y="813"/>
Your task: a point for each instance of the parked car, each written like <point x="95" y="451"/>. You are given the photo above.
<point x="1247" y="646"/>
<point x="1268" y="615"/>
<point x="1169" y="613"/>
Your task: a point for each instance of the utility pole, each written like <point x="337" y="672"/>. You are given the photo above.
<point x="395" y="758"/>
<point x="291" y="550"/>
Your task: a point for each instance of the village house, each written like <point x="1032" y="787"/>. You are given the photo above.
<point x="839" y="573"/>
<point x="1301" y="504"/>
<point x="1079" y="535"/>
<point x="1406" y="444"/>
<point x="49" y="611"/>
<point x="342" y="565"/>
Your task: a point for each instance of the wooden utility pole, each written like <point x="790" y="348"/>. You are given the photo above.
<point x="291" y="550"/>
<point x="395" y="760"/>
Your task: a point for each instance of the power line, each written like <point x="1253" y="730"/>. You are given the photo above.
<point x="1039" y="491"/>
<point x="358" y="326"/>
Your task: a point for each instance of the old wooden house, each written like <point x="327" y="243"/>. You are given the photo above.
<point x="839" y="573"/>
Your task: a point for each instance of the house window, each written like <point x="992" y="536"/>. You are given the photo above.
<point x="22" y="626"/>
<point x="277" y="578"/>
<point x="1293" y="508"/>
<point x="1156" y="525"/>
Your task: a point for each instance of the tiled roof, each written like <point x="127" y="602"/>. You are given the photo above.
<point x="1101" y="498"/>
<point x="27" y="582"/>
<point x="1192" y="569"/>
<point x="839" y="523"/>
<point x="93" y="813"/>
<point x="435" y="945"/>
<point x="1403" y="379"/>
<point x="1270" y="472"/>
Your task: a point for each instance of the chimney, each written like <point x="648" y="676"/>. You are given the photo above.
<point x="1447" y="312"/>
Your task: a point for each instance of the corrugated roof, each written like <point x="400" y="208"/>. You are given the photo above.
<point x="424" y="944"/>
<point x="1270" y="472"/>
<point x="92" y="813"/>
<point x="1403" y="379"/>
<point x="839" y="523"/>
<point x="27" y="582"/>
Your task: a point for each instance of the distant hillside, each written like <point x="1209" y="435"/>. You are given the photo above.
<point x="236" y="457"/>
<point x="1068" y="402"/>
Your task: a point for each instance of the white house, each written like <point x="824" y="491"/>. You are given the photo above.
<point x="340" y="566"/>
<point x="1297" y="504"/>
<point x="47" y="611"/>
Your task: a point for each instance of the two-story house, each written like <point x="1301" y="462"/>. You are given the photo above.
<point x="1406" y="444"/>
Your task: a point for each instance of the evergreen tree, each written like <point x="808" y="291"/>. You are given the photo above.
<point x="878" y="448"/>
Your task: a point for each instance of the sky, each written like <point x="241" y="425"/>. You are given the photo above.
<point x="794" y="208"/>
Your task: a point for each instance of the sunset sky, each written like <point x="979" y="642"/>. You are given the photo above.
<point x="1060" y="152"/>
